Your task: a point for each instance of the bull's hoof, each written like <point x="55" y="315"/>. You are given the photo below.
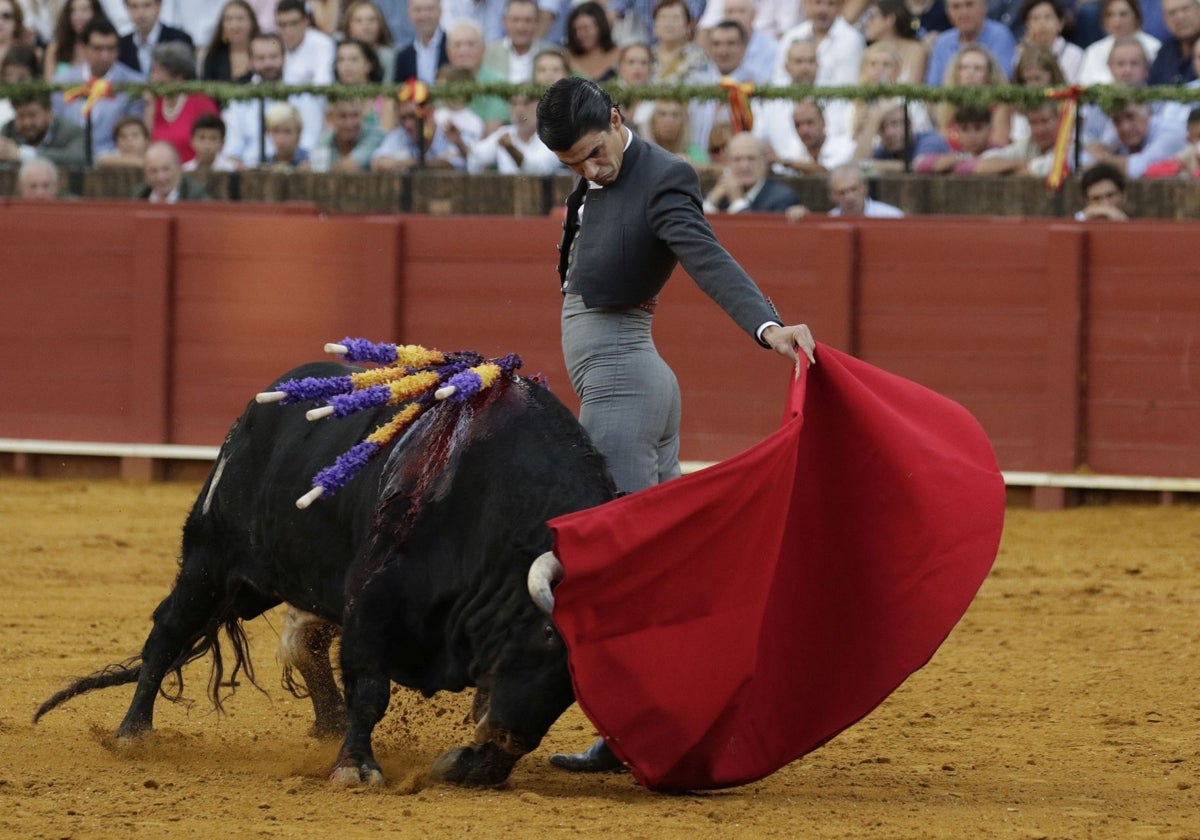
<point x="475" y="766"/>
<point x="349" y="774"/>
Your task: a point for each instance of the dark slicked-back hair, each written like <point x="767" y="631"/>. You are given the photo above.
<point x="571" y="108"/>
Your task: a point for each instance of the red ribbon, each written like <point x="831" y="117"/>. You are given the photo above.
<point x="1061" y="167"/>
<point x="94" y="90"/>
<point x="740" y="114"/>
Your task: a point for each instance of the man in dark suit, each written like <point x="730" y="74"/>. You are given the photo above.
<point x="165" y="183"/>
<point x="745" y="185"/>
<point x="427" y="53"/>
<point x="635" y="214"/>
<point x="148" y="32"/>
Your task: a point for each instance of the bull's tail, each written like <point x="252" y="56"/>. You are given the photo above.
<point x="120" y="674"/>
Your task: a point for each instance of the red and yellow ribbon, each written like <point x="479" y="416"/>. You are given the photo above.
<point x="741" y="116"/>
<point x="417" y="92"/>
<point x="94" y="90"/>
<point x="1061" y="167"/>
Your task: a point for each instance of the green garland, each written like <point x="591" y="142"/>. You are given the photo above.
<point x="1106" y="96"/>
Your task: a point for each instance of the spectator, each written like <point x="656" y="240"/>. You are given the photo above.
<point x="165" y="183"/>
<point x="19" y="65"/>
<point x="1128" y="66"/>
<point x="818" y="150"/>
<point x="590" y="48"/>
<point x="727" y="42"/>
<point x="839" y="45"/>
<point x="883" y="145"/>
<point x="174" y="113"/>
<point x="208" y="139"/>
<point x="37" y="180"/>
<point x="35" y="131"/>
<point x="1120" y="18"/>
<point x="1173" y="65"/>
<point x="975" y="66"/>
<point x="1187" y="162"/>
<point x="349" y="142"/>
<point x="464" y="44"/>
<point x="668" y="128"/>
<point x="881" y="65"/>
<point x="762" y="50"/>
<point x="1044" y="21"/>
<point x="1036" y="68"/>
<point x="227" y="58"/>
<point x="1103" y="187"/>
<point x="364" y="22"/>
<point x="550" y="65"/>
<point x="427" y="54"/>
<point x="971" y="25"/>
<point x="135" y="50"/>
<point x="455" y="118"/>
<point x="511" y="57"/>
<point x="1033" y="154"/>
<point x="243" y="118"/>
<point x="488" y="15"/>
<point x="357" y="63"/>
<point x="131" y="137"/>
<point x="1136" y="138"/>
<point x="935" y="155"/>
<point x="848" y="192"/>
<point x="308" y="59"/>
<point x="745" y="185"/>
<point x="513" y="149"/>
<point x="676" y="59"/>
<point x="892" y="22"/>
<point x="100" y="51"/>
<point x="775" y="120"/>
<point x="634" y="66"/>
<point x="285" y="125"/>
<point x="401" y="149"/>
<point x="66" y="50"/>
<point x="635" y="18"/>
<point x="12" y="27"/>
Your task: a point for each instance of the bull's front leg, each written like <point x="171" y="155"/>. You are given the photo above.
<point x="366" y="701"/>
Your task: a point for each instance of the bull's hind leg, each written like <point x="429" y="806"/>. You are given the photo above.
<point x="304" y="645"/>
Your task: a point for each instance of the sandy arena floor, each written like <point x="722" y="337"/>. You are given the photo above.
<point x="1066" y="704"/>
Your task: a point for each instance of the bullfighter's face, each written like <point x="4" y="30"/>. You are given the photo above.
<point x="597" y="155"/>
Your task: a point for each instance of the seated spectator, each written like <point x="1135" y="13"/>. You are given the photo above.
<point x="131" y="137"/>
<point x="100" y="51"/>
<point x="634" y="68"/>
<point x="935" y="155"/>
<point x="19" y="65"/>
<point x="1136" y="138"/>
<point x="12" y="27"/>
<point x="227" y="58"/>
<point x="1120" y="19"/>
<point x="1173" y="64"/>
<point x="550" y="65"/>
<point x="880" y="66"/>
<point x="971" y="26"/>
<point x="454" y="118"/>
<point x="1187" y="162"/>
<point x="464" y="45"/>
<point x="975" y="66"/>
<point x="1044" y="21"/>
<point x="208" y="138"/>
<point x="1128" y="65"/>
<point x="882" y="144"/>
<point x="762" y="50"/>
<point x="285" y="126"/>
<point x="511" y="58"/>
<point x="727" y="50"/>
<point x="65" y="50"/>
<point x="357" y="63"/>
<point x="35" y="131"/>
<point x="818" y="151"/>
<point x="513" y="149"/>
<point x="402" y="148"/>
<point x="349" y="142"/>
<point x="849" y="194"/>
<point x="174" y="113"/>
<point x="669" y="129"/>
<point x="1103" y="188"/>
<point x="745" y="184"/>
<point x="364" y="21"/>
<point x="309" y="56"/>
<point x="892" y="22"/>
<point x="165" y="183"/>
<point x="774" y="119"/>
<point x="1036" y="68"/>
<point x="37" y="180"/>
<point x="1031" y="155"/>
<point x="590" y="48"/>
<point x="677" y="61"/>
<point x="136" y="49"/>
<point x="427" y="53"/>
<point x="839" y="45"/>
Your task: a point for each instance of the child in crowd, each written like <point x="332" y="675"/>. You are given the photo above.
<point x="284" y="125"/>
<point x="934" y="155"/>
<point x="132" y="137"/>
<point x="208" y="138"/>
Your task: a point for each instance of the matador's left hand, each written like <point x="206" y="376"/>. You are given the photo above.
<point x="787" y="340"/>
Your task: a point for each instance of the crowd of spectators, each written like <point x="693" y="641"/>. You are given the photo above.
<point x="959" y="43"/>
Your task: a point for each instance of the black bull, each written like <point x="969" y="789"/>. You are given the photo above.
<point x="422" y="559"/>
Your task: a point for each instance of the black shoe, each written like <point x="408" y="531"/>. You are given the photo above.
<point x="597" y="758"/>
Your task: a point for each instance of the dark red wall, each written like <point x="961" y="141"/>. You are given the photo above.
<point x="1073" y="344"/>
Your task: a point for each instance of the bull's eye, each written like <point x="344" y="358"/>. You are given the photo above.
<point x="549" y="632"/>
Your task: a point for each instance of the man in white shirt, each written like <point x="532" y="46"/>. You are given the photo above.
<point x="512" y="56"/>
<point x="514" y="149"/>
<point x="839" y="45"/>
<point x="310" y="53"/>
<point x="848" y="192"/>
<point x="818" y="150"/>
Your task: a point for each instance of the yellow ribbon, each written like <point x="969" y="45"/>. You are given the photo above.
<point x="94" y="90"/>
<point x="1061" y="167"/>
<point x="740" y="114"/>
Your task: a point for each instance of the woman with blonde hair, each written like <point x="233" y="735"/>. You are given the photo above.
<point x="975" y="66"/>
<point x="668" y="128"/>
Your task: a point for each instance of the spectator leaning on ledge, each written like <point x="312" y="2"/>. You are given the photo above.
<point x="848" y="192"/>
<point x="36" y="132"/>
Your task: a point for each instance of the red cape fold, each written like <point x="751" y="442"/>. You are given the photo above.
<point x="725" y="623"/>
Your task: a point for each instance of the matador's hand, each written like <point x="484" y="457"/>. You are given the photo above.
<point x="787" y="340"/>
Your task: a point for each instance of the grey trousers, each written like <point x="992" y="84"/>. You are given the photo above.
<point x="629" y="397"/>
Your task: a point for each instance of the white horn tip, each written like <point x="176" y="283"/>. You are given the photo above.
<point x="310" y="497"/>
<point x="264" y="397"/>
<point x="319" y="413"/>
<point x="337" y="349"/>
<point x="444" y="392"/>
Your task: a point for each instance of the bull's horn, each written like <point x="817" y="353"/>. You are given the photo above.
<point x="264" y="397"/>
<point x="545" y="571"/>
